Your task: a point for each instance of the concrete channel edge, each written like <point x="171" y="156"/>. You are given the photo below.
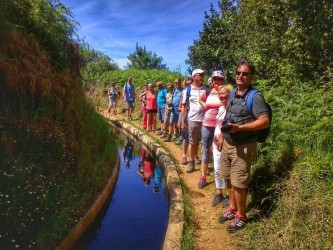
<point x="174" y="231"/>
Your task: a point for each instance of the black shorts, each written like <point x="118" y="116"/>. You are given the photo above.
<point x="151" y="111"/>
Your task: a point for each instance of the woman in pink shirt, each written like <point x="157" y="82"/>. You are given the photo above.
<point x="151" y="107"/>
<point x="211" y="103"/>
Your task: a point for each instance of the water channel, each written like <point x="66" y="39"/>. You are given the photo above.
<point x="137" y="214"/>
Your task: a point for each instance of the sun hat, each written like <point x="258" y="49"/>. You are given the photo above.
<point x="198" y="71"/>
<point x="218" y="74"/>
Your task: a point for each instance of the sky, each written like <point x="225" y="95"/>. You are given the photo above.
<point x="165" y="27"/>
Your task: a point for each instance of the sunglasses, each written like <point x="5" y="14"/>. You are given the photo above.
<point x="177" y="82"/>
<point x="242" y="73"/>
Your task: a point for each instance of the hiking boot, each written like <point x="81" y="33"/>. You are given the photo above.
<point x="159" y="133"/>
<point x="174" y="137"/>
<point x="190" y="167"/>
<point x="179" y="142"/>
<point x="202" y="182"/>
<point x="167" y="138"/>
<point x="229" y="215"/>
<point x="225" y="202"/>
<point x="184" y="160"/>
<point x="217" y="199"/>
<point x="238" y="223"/>
<point x="196" y="160"/>
<point x="164" y="135"/>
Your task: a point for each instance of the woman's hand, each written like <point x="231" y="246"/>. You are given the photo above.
<point x="220" y="143"/>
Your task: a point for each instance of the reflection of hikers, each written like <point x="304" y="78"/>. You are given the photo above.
<point x="158" y="178"/>
<point x="147" y="169"/>
<point x="127" y="152"/>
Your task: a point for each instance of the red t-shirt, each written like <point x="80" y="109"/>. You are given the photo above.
<point x="151" y="101"/>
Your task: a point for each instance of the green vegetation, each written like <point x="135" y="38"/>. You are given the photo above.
<point x="290" y="43"/>
<point x="55" y="151"/>
<point x="143" y="59"/>
<point x="95" y="64"/>
<point x="56" y="154"/>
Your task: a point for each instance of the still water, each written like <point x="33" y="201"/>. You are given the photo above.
<point x="137" y="215"/>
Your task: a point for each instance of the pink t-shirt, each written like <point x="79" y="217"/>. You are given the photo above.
<point x="151" y="103"/>
<point x="213" y="103"/>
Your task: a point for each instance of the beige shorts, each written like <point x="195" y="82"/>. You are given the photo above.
<point x="194" y="132"/>
<point x="236" y="163"/>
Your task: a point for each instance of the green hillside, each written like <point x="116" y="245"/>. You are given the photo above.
<point x="56" y="152"/>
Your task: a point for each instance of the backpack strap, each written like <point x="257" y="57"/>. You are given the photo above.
<point x="249" y="100"/>
<point x="188" y="94"/>
<point x="231" y="96"/>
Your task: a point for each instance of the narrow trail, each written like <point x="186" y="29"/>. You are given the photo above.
<point x="209" y="233"/>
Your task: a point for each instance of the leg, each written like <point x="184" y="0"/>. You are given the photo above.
<point x="240" y="198"/>
<point x="149" y="121"/>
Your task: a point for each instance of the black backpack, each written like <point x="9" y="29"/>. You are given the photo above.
<point x="263" y="133"/>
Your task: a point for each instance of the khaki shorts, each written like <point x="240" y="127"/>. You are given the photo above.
<point x="236" y="163"/>
<point x="194" y="132"/>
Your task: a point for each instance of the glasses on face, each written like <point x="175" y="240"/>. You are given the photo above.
<point x="177" y="82"/>
<point x="243" y="73"/>
<point x="189" y="83"/>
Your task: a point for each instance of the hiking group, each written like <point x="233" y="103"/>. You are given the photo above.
<point x="226" y="122"/>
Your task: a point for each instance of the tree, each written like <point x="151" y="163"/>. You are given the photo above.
<point x="95" y="64"/>
<point x="212" y="50"/>
<point x="143" y="59"/>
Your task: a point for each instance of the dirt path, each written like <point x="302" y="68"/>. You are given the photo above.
<point x="209" y="233"/>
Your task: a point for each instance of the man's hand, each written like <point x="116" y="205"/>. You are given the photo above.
<point x="234" y="128"/>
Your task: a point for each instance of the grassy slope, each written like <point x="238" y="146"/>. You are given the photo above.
<point x="56" y="151"/>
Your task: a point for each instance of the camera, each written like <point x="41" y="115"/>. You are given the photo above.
<point x="225" y="127"/>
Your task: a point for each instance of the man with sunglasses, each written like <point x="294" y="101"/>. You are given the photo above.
<point x="239" y="144"/>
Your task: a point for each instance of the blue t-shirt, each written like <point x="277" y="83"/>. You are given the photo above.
<point x="176" y="96"/>
<point x="129" y="92"/>
<point x="161" y="98"/>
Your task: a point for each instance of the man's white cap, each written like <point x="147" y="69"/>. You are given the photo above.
<point x="198" y="71"/>
<point x="217" y="73"/>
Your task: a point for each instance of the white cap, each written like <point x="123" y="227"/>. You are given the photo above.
<point x="217" y="73"/>
<point x="198" y="71"/>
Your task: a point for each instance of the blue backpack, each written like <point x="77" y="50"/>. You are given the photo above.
<point x="263" y="133"/>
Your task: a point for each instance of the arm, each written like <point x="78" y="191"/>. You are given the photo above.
<point x="261" y="122"/>
<point x="220" y="142"/>
<point x="142" y="94"/>
<point x="184" y="113"/>
<point x="202" y="100"/>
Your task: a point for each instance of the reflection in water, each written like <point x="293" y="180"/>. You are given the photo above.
<point x="149" y="169"/>
<point x="127" y="152"/>
<point x="136" y="217"/>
